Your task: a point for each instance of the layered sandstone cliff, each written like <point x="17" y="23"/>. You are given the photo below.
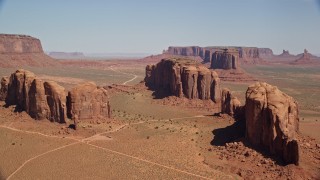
<point x="183" y="78"/>
<point x="272" y="121"/>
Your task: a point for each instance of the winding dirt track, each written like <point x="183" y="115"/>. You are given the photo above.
<point x="124" y="83"/>
<point x="91" y="138"/>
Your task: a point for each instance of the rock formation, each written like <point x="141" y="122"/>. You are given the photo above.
<point x="4" y="88"/>
<point x="246" y="54"/>
<point x="39" y="99"/>
<point x="272" y="121"/>
<point x="187" y="51"/>
<point x="20" y="50"/>
<point x="11" y="43"/>
<point x="87" y="101"/>
<point x="229" y="103"/>
<point x="183" y="78"/>
<point x="226" y="59"/>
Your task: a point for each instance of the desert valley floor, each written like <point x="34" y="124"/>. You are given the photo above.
<point x="150" y="138"/>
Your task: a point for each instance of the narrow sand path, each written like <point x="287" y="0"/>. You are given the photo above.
<point x="87" y="141"/>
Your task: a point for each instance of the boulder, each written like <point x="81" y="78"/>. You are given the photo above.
<point x="87" y="101"/>
<point x="4" y="88"/>
<point x="229" y="103"/>
<point x="272" y="121"/>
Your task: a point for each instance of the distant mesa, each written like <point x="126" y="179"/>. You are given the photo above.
<point x="246" y="54"/>
<point x="306" y="58"/>
<point x="285" y="53"/>
<point x="23" y="50"/>
<point x="11" y="43"/>
<point x="66" y="55"/>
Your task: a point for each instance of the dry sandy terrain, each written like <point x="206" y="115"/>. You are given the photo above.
<point x="150" y="138"/>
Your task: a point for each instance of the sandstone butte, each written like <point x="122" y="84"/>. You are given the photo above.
<point x="272" y="121"/>
<point x="226" y="59"/>
<point x="48" y="100"/>
<point x="87" y="101"/>
<point x="183" y="78"/>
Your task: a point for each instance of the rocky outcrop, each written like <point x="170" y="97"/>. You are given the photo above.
<point x="4" y="88"/>
<point x="272" y="121"/>
<point x="187" y="51"/>
<point x="87" y="101"/>
<point x="245" y="53"/>
<point x="11" y="43"/>
<point x="226" y="59"/>
<point x="183" y="78"/>
<point x="39" y="99"/>
<point x="229" y="103"/>
<point x="22" y="50"/>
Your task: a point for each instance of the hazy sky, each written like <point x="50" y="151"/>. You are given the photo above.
<point x="149" y="26"/>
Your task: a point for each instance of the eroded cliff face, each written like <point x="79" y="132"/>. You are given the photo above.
<point x="187" y="51"/>
<point x="22" y="50"/>
<point x="39" y="99"/>
<point x="87" y="101"/>
<point x="272" y="121"/>
<point x="183" y="78"/>
<point x="247" y="54"/>
<point x="10" y="43"/>
<point x="226" y="59"/>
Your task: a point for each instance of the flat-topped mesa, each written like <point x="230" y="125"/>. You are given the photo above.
<point x="39" y="99"/>
<point x="272" y="121"/>
<point x="244" y="53"/>
<point x="11" y="43"/>
<point x="187" y="51"/>
<point x="225" y="59"/>
<point x="88" y="101"/>
<point x="183" y="78"/>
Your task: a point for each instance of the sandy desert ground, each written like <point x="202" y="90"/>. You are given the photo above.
<point x="153" y="138"/>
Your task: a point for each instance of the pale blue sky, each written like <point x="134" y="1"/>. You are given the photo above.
<point x="149" y="26"/>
